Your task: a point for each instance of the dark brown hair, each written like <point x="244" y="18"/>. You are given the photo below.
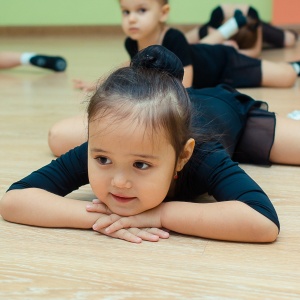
<point x="149" y="92"/>
<point x="248" y="34"/>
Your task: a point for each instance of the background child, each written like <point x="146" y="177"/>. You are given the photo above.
<point x="205" y="65"/>
<point x="250" y="39"/>
<point x="147" y="164"/>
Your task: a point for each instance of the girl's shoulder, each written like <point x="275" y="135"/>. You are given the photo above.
<point x="131" y="47"/>
<point x="175" y="41"/>
<point x="173" y="33"/>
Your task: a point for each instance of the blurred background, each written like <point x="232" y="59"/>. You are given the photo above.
<point x="106" y="12"/>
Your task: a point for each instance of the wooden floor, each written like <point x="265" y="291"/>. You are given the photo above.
<point x="39" y="263"/>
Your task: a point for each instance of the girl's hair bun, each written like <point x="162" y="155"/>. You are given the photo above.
<point x="159" y="58"/>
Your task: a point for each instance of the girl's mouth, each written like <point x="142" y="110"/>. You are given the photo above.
<point x="122" y="199"/>
<point x="133" y="29"/>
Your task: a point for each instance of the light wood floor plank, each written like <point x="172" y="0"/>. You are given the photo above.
<point x="40" y="263"/>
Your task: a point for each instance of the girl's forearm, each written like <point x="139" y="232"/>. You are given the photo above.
<point x="40" y="208"/>
<point x="230" y="220"/>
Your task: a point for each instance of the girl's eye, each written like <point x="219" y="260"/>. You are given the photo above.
<point x="103" y="160"/>
<point x="142" y="10"/>
<point x="125" y="12"/>
<point x="141" y="165"/>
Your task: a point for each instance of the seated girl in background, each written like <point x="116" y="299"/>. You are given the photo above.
<point x="250" y="38"/>
<point x="12" y="59"/>
<point x="151" y="152"/>
<point x="143" y="21"/>
<point x="204" y="66"/>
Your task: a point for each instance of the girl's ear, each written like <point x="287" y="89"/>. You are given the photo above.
<point x="164" y="13"/>
<point x="186" y="154"/>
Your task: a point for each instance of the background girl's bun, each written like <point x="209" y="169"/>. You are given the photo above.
<point x="159" y="58"/>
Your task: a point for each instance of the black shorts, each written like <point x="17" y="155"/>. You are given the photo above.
<point x="272" y="36"/>
<point x="241" y="124"/>
<point x="241" y="71"/>
<point x="217" y="64"/>
<point x="257" y="139"/>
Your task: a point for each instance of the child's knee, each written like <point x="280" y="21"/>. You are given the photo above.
<point x="291" y="78"/>
<point x="290" y="39"/>
<point x="288" y="81"/>
<point x="288" y="76"/>
<point x="55" y="140"/>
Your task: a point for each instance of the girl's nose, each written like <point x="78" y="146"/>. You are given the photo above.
<point x="120" y="181"/>
<point x="132" y="17"/>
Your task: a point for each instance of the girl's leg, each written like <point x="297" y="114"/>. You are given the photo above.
<point x="244" y="71"/>
<point x="277" y="74"/>
<point x="290" y="38"/>
<point x="222" y="32"/>
<point x="286" y="147"/>
<point x="200" y="32"/>
<point x="10" y="60"/>
<point x="15" y="59"/>
<point x="67" y="134"/>
<point x="204" y="34"/>
<point x="192" y="35"/>
<point x="278" y="37"/>
<point x="226" y="30"/>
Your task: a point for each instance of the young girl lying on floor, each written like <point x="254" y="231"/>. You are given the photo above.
<point x="152" y="151"/>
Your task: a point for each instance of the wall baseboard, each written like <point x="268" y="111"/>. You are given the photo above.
<point x="84" y="30"/>
<point x="67" y="30"/>
<point x="58" y="30"/>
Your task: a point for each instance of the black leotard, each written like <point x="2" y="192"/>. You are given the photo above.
<point x="212" y="64"/>
<point x="210" y="170"/>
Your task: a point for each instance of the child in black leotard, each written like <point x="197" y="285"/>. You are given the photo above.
<point x="143" y="22"/>
<point x="148" y="159"/>
<point x="250" y="38"/>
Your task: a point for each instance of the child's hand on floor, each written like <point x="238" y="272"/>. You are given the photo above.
<point x="132" y="229"/>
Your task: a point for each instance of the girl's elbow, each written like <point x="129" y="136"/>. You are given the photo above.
<point x="273" y="233"/>
<point x="267" y="233"/>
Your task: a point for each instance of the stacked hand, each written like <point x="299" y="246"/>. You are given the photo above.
<point x="142" y="227"/>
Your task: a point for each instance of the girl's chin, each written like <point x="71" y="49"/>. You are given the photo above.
<point x="124" y="212"/>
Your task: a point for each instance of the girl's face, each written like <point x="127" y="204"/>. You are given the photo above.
<point x="130" y="169"/>
<point x="141" y="19"/>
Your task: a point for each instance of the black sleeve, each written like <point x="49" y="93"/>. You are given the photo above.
<point x="225" y="180"/>
<point x="131" y="47"/>
<point x="62" y="176"/>
<point x="176" y="42"/>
